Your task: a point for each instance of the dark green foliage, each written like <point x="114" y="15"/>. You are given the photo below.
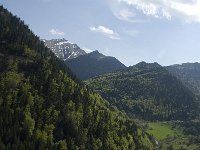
<point x="191" y="130"/>
<point x="93" y="64"/>
<point x="42" y="106"/>
<point x="147" y="91"/>
<point x="170" y="147"/>
<point x="189" y="74"/>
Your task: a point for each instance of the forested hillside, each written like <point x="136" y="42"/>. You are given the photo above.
<point x="147" y="91"/>
<point x="93" y="64"/>
<point x="42" y="106"/>
<point x="189" y="74"/>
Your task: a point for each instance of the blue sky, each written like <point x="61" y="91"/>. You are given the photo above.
<point x="163" y="31"/>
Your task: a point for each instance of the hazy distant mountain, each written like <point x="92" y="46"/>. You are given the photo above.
<point x="189" y="74"/>
<point x="93" y="64"/>
<point x="146" y="90"/>
<point x="64" y="49"/>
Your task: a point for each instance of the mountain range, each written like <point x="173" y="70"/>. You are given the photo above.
<point x="86" y="66"/>
<point x="141" y="88"/>
<point x="83" y="65"/>
<point x="147" y="90"/>
<point x="43" y="106"/>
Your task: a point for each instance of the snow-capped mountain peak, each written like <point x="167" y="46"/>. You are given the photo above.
<point x="64" y="49"/>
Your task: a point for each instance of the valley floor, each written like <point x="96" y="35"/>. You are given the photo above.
<point x="171" y="136"/>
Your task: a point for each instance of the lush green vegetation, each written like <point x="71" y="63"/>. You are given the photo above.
<point x="93" y="64"/>
<point x="189" y="74"/>
<point x="42" y="106"/>
<point x="161" y="130"/>
<point x="147" y="91"/>
<point x="172" y="135"/>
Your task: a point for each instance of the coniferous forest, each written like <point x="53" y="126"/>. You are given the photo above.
<point x="147" y="91"/>
<point x="44" y="106"/>
<point x="55" y="95"/>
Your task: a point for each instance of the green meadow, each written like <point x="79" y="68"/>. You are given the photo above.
<point x="170" y="136"/>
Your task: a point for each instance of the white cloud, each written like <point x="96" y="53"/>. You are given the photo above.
<point x="126" y="14"/>
<point x="166" y="14"/>
<point x="191" y="11"/>
<point x="106" y="31"/>
<point x="187" y="10"/>
<point x="56" y="32"/>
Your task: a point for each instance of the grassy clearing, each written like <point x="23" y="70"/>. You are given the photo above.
<point x="167" y="135"/>
<point x="162" y="130"/>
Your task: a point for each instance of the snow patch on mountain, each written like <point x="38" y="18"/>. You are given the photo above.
<point x="64" y="49"/>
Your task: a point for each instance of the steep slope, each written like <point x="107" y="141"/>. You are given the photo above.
<point x="42" y="106"/>
<point x="93" y="64"/>
<point x="64" y="49"/>
<point x="189" y="74"/>
<point x="147" y="91"/>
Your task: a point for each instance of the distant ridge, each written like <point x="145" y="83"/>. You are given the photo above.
<point x="189" y="74"/>
<point x="147" y="90"/>
<point x="93" y="64"/>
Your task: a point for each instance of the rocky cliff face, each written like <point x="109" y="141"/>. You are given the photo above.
<point x="64" y="49"/>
